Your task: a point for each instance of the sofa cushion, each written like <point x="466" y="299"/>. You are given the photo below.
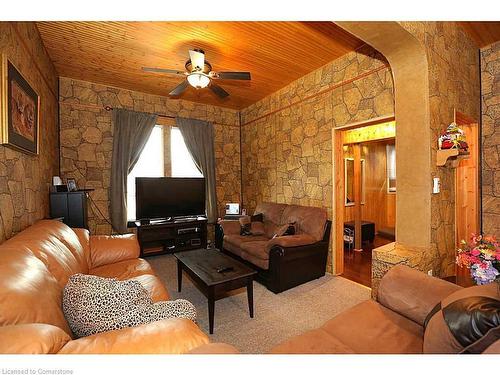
<point x="465" y="321"/>
<point x="284" y="230"/>
<point x="112" y="249"/>
<point x="32" y="338"/>
<point x="372" y="328"/>
<point x="232" y="242"/>
<point x="315" y="341"/>
<point x="272" y="212"/>
<point x="170" y="336"/>
<point x="310" y="220"/>
<point x="291" y="241"/>
<point x="56" y="245"/>
<point x="259" y="262"/>
<point x="230" y="227"/>
<point x="270" y="229"/>
<point x="154" y="286"/>
<point x="124" y="270"/>
<point x="29" y="293"/>
<point x="412" y="293"/>
<point x="252" y="226"/>
<point x="94" y="304"/>
<point x="258" y="249"/>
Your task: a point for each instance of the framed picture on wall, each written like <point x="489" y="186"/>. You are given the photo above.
<point x="19" y="109"/>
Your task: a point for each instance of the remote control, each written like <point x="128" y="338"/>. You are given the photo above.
<point x="225" y="269"/>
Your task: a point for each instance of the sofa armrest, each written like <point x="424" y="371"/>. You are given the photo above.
<point x="112" y="249"/>
<point x="35" y="338"/>
<point x="168" y="336"/>
<point x="230" y="226"/>
<point x="412" y="293"/>
<point x="215" y="348"/>
<point x="291" y="241"/>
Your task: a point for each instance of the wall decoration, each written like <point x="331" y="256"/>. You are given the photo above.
<point x="19" y="109"/>
<point x="71" y="184"/>
<point x="452" y="137"/>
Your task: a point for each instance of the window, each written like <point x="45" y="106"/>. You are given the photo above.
<point x="391" y="168"/>
<point x="182" y="162"/>
<point x="150" y="164"/>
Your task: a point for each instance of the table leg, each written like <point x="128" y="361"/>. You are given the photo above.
<point x="250" y="297"/>
<point x="211" y="309"/>
<point x="179" y="276"/>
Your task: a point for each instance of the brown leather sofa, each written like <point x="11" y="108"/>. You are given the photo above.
<point x="283" y="262"/>
<point x="34" y="268"/>
<point x="407" y="301"/>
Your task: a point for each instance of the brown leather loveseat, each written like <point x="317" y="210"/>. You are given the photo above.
<point x="34" y="268"/>
<point x="283" y="262"/>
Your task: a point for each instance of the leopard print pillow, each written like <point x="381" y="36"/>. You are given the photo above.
<point x="94" y="304"/>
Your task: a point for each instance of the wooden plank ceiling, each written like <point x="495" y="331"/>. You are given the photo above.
<point x="276" y="53"/>
<point x="484" y="33"/>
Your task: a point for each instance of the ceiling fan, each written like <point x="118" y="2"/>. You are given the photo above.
<point x="199" y="74"/>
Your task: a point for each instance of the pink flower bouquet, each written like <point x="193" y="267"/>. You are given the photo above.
<point x="482" y="256"/>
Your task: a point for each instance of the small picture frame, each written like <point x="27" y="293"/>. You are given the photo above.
<point x="71" y="184"/>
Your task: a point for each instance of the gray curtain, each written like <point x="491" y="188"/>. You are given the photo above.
<point x="199" y="138"/>
<point x="131" y="132"/>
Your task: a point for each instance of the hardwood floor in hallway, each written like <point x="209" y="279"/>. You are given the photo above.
<point x="358" y="264"/>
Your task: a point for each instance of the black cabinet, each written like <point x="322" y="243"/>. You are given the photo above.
<point x="71" y="207"/>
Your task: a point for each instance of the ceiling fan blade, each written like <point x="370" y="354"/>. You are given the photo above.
<point x="159" y="70"/>
<point x="233" y="75"/>
<point x="197" y="59"/>
<point x="179" y="89"/>
<point x="219" y="91"/>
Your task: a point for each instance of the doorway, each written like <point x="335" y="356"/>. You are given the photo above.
<point x="467" y="191"/>
<point x="366" y="181"/>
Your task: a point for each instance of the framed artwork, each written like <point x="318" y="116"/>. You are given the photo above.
<point x="71" y="184"/>
<point x="19" y="109"/>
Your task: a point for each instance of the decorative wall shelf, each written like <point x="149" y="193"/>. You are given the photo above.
<point x="451" y="156"/>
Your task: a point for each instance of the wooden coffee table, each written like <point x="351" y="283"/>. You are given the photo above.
<point x="203" y="265"/>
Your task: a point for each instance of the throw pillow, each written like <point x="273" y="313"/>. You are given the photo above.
<point x="285" y="230"/>
<point x="252" y="225"/>
<point x="94" y="304"/>
<point x="467" y="321"/>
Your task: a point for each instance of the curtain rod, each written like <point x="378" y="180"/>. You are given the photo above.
<point x="109" y="108"/>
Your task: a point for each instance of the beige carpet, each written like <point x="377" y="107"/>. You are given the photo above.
<point x="277" y="316"/>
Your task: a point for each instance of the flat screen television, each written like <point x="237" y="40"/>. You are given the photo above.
<point x="165" y="197"/>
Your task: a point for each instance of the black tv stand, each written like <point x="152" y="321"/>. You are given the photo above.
<point x="170" y="236"/>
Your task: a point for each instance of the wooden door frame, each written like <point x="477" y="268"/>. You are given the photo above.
<point x="462" y="119"/>
<point x="338" y="188"/>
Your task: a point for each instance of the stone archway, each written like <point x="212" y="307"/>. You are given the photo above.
<point x="408" y="60"/>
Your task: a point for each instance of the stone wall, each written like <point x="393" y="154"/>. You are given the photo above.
<point x="87" y="139"/>
<point x="490" y="86"/>
<point x="25" y="179"/>
<point x="287" y="136"/>
<point x="453" y="84"/>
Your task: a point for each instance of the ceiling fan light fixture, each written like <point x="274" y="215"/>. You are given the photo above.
<point x="198" y="80"/>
